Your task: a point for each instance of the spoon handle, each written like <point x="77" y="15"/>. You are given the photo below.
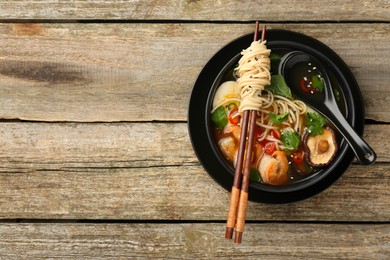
<point x="364" y="153"/>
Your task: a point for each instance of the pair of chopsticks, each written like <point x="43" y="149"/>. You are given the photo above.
<point x="239" y="194"/>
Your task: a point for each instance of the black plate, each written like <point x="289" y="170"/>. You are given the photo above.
<point x="199" y="116"/>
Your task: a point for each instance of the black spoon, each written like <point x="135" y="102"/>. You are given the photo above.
<point x="324" y="102"/>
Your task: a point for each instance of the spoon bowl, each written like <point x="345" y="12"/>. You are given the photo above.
<point x="316" y="90"/>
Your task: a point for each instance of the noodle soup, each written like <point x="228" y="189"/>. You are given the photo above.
<point x="292" y="141"/>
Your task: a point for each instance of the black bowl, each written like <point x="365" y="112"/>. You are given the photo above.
<point x="199" y="122"/>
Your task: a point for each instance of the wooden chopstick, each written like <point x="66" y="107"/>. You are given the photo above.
<point x="241" y="212"/>
<point x="239" y="194"/>
<point x="238" y="176"/>
<point x="235" y="194"/>
<point x="242" y="205"/>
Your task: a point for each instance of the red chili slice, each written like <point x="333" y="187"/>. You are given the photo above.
<point x="269" y="148"/>
<point x="259" y="134"/>
<point x="275" y="134"/>
<point x="234" y="117"/>
<point x="297" y="157"/>
<point x="307" y="86"/>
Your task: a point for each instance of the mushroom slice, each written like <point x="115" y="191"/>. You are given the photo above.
<point x="321" y="149"/>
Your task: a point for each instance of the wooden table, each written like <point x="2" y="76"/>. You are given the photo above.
<point x="95" y="156"/>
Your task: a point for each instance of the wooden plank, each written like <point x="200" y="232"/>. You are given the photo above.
<point x="268" y="240"/>
<point x="40" y="146"/>
<point x="149" y="171"/>
<point x="197" y="10"/>
<point x="130" y="71"/>
<point x="180" y="193"/>
<point x="34" y="146"/>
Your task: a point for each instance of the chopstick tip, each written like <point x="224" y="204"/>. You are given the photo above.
<point x="229" y="233"/>
<point x="238" y="237"/>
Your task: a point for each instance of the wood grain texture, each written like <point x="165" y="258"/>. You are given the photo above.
<point x="197" y="10"/>
<point x="145" y="72"/>
<point x="180" y="193"/>
<point x="56" y="146"/>
<point x="265" y="241"/>
<point x="148" y="171"/>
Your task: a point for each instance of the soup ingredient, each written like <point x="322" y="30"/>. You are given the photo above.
<point x="290" y="139"/>
<point x="278" y="86"/>
<point x="234" y="129"/>
<point x="314" y="123"/>
<point x="234" y="116"/>
<point x="254" y="175"/>
<point x="253" y="75"/>
<point x="318" y="83"/>
<point x="297" y="157"/>
<point x="322" y="148"/>
<point x="270" y="147"/>
<point x="277" y="119"/>
<point x="228" y="147"/>
<point x="273" y="168"/>
<point x="229" y="144"/>
<point x="219" y="117"/>
<point x="260" y="135"/>
<point x="312" y="84"/>
<point x="258" y="151"/>
<point x="227" y="93"/>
